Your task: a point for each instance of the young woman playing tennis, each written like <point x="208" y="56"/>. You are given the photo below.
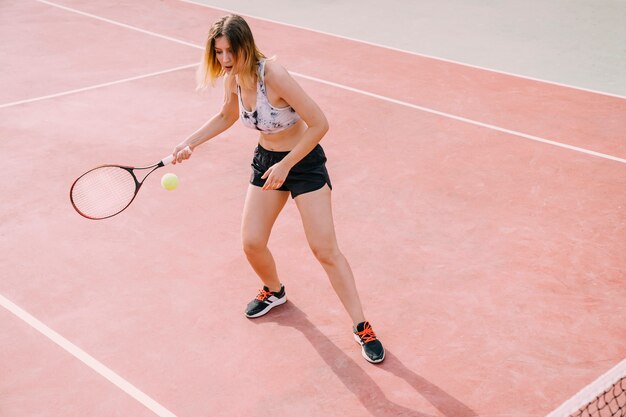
<point x="287" y="160"/>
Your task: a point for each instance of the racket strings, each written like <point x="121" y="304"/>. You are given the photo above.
<point x="103" y="192"/>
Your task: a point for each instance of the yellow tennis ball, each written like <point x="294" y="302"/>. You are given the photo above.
<point x="169" y="181"/>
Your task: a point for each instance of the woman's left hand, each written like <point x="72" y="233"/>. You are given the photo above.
<point x="276" y="175"/>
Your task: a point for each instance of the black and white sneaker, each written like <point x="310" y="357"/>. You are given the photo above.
<point x="371" y="348"/>
<point x="265" y="301"/>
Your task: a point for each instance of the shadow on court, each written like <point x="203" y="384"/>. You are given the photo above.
<point x="359" y="382"/>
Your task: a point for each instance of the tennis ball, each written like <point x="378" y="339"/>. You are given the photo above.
<point x="169" y="181"/>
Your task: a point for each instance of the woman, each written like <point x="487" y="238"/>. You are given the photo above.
<point x="288" y="160"/>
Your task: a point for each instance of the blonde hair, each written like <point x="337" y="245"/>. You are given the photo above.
<point x="241" y="41"/>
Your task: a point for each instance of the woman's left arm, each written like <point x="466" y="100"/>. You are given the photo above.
<point x="289" y="90"/>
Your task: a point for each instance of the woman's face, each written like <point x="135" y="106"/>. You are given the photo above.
<point x="225" y="54"/>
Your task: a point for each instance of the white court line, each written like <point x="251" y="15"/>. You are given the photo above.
<point x="366" y="93"/>
<point x="103" y="19"/>
<point x="391" y="48"/>
<point x="87" y="359"/>
<point x="93" y="87"/>
<point x="465" y="120"/>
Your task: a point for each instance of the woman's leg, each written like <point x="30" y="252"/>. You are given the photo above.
<point x="259" y="214"/>
<point x="317" y="218"/>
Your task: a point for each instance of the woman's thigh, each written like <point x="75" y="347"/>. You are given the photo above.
<point x="260" y="211"/>
<point x="317" y="218"/>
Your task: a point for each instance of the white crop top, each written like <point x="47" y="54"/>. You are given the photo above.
<point x="265" y="117"/>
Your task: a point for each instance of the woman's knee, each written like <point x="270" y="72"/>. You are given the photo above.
<point x="327" y="255"/>
<point x="253" y="245"/>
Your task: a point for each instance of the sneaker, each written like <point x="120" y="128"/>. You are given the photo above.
<point x="265" y="301"/>
<point x="371" y="348"/>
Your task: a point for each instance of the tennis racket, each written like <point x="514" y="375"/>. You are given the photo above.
<point x="108" y="190"/>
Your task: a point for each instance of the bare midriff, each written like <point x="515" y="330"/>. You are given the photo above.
<point x="285" y="140"/>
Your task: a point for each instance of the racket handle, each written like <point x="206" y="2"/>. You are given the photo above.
<point x="167" y="160"/>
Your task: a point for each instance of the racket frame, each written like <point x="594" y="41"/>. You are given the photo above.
<point x="131" y="170"/>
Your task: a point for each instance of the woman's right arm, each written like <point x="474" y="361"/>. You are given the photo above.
<point x="227" y="116"/>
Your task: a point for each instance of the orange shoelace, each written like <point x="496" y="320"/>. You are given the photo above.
<point x="367" y="335"/>
<point x="263" y="295"/>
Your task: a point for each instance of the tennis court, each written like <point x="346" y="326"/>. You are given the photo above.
<point x="483" y="215"/>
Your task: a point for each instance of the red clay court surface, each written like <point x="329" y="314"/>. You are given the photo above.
<point x="490" y="262"/>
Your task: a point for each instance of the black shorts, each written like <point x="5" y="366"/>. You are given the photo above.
<point x="309" y="174"/>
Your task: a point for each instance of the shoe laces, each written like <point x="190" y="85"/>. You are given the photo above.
<point x="367" y="334"/>
<point x="263" y="295"/>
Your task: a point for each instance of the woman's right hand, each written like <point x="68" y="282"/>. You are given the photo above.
<point x="181" y="152"/>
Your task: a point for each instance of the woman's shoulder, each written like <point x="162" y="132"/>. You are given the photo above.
<point x="275" y="72"/>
